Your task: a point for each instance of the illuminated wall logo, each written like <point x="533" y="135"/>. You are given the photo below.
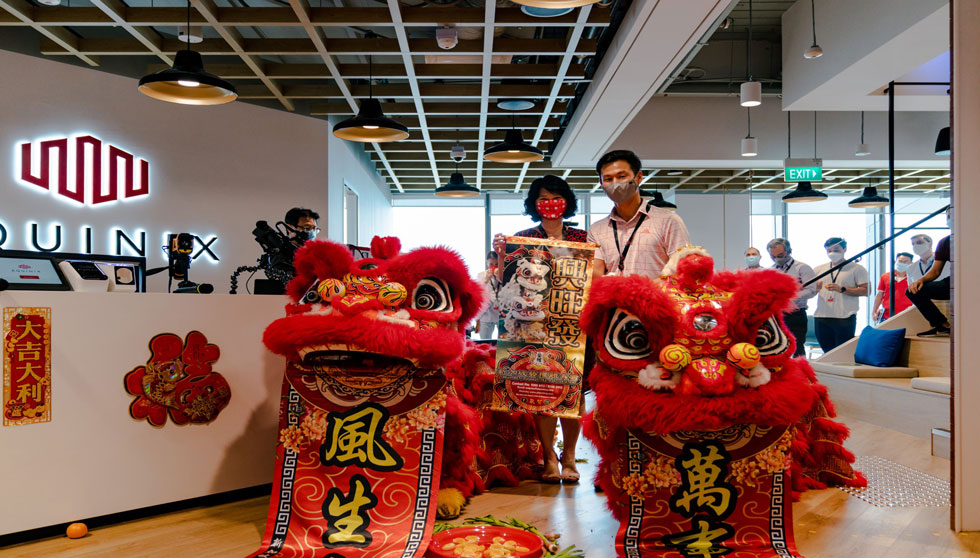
<point x="82" y="169"/>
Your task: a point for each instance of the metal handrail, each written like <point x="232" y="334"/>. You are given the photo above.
<point x="834" y="268"/>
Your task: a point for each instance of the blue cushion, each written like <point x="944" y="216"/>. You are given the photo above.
<point x="879" y="347"/>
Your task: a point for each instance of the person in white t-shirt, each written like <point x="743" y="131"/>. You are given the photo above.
<point x="839" y="293"/>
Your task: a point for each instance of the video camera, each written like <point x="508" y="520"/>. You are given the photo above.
<point x="179" y="247"/>
<point x="276" y="259"/>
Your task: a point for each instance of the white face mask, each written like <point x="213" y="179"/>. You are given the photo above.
<point x="902" y="267"/>
<point x="752" y="261"/>
<point x="619" y="192"/>
<point x="835" y="256"/>
<point x="920" y="249"/>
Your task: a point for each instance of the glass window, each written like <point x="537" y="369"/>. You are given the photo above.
<point x="808" y="231"/>
<point x="459" y="228"/>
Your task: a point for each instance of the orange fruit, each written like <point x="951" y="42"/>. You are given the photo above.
<point x="76" y="530"/>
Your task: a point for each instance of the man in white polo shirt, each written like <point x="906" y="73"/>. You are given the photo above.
<point x="637" y="238"/>
<point x="835" y="320"/>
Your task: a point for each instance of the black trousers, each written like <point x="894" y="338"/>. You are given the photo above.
<point x="923" y="300"/>
<point x="832" y="332"/>
<point x="796" y="322"/>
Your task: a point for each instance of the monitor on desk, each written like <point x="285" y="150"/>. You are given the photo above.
<point x="31" y="272"/>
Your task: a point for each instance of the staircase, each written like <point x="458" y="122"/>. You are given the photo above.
<point x="911" y="397"/>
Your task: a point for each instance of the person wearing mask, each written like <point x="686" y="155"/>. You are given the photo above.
<point x="487" y="322"/>
<point x="932" y="286"/>
<point x="835" y="320"/>
<point x="752" y="259"/>
<point x="636" y="238"/>
<point x="780" y="250"/>
<point x="922" y="247"/>
<point x="880" y="310"/>
<point x="301" y="222"/>
<point x="549" y="201"/>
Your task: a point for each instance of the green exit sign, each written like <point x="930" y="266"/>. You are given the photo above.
<point x="803" y="170"/>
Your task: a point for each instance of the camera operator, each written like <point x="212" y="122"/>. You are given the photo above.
<point x="301" y="222"/>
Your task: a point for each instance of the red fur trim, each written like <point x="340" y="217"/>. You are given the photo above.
<point x="432" y="348"/>
<point x="694" y="269"/>
<point x="318" y="259"/>
<point x="623" y="404"/>
<point x="759" y="295"/>
<point x="385" y="247"/>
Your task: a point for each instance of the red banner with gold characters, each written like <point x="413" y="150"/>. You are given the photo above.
<point x="707" y="494"/>
<point x="541" y="348"/>
<point x="358" y="463"/>
<point x="26" y="365"/>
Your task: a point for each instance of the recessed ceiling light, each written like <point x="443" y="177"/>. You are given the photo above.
<point x="515" y="104"/>
<point x="675" y="172"/>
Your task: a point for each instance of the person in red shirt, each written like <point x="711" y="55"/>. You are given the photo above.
<point x="880" y="309"/>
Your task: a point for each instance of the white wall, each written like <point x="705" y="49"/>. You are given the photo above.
<point x="92" y="458"/>
<point x="350" y="164"/>
<point x="719" y="223"/>
<point x="213" y="170"/>
<point x="704" y="132"/>
<point x="866" y="44"/>
<point x="966" y="242"/>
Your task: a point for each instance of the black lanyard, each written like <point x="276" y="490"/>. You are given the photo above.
<point x="625" y="250"/>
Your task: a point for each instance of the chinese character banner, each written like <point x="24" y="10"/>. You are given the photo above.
<point x="706" y="494"/>
<point x="358" y="464"/>
<point x="26" y="365"/>
<point x="541" y="348"/>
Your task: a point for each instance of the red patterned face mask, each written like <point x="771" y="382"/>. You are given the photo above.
<point x="552" y="209"/>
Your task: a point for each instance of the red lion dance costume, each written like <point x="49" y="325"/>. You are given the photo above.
<point x="367" y="407"/>
<point x="705" y="424"/>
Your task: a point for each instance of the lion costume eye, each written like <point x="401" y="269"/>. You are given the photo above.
<point x="626" y="338"/>
<point x="312" y="296"/>
<point x="771" y="339"/>
<point x="432" y="294"/>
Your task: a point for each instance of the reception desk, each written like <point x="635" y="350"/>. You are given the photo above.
<point x="93" y="458"/>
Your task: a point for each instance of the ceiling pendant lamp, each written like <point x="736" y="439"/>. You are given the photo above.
<point x="513" y="149"/>
<point x="750" y="92"/>
<point x="659" y="201"/>
<point x="804" y="193"/>
<point x="814" y="51"/>
<point x="186" y="82"/>
<point x="370" y="125"/>
<point x="869" y="198"/>
<point x="555" y="4"/>
<point x="943" y="142"/>
<point x="750" y="145"/>
<point x="457" y="188"/>
<point x="863" y="149"/>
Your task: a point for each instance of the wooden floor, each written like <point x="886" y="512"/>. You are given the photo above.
<point x="829" y="523"/>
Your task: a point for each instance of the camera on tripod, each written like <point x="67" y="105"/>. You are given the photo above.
<point x="276" y="259"/>
<point x="179" y="247"/>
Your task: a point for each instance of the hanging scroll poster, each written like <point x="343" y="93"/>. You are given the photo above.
<point x="541" y="349"/>
<point x="26" y="365"/>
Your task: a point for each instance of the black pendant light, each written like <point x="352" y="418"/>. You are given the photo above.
<point x="457" y="188"/>
<point x="370" y="124"/>
<point x="869" y="198"/>
<point x="513" y="149"/>
<point x="804" y="193"/>
<point x="186" y="82"/>
<point x="942" y="142"/>
<point x="659" y="201"/>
